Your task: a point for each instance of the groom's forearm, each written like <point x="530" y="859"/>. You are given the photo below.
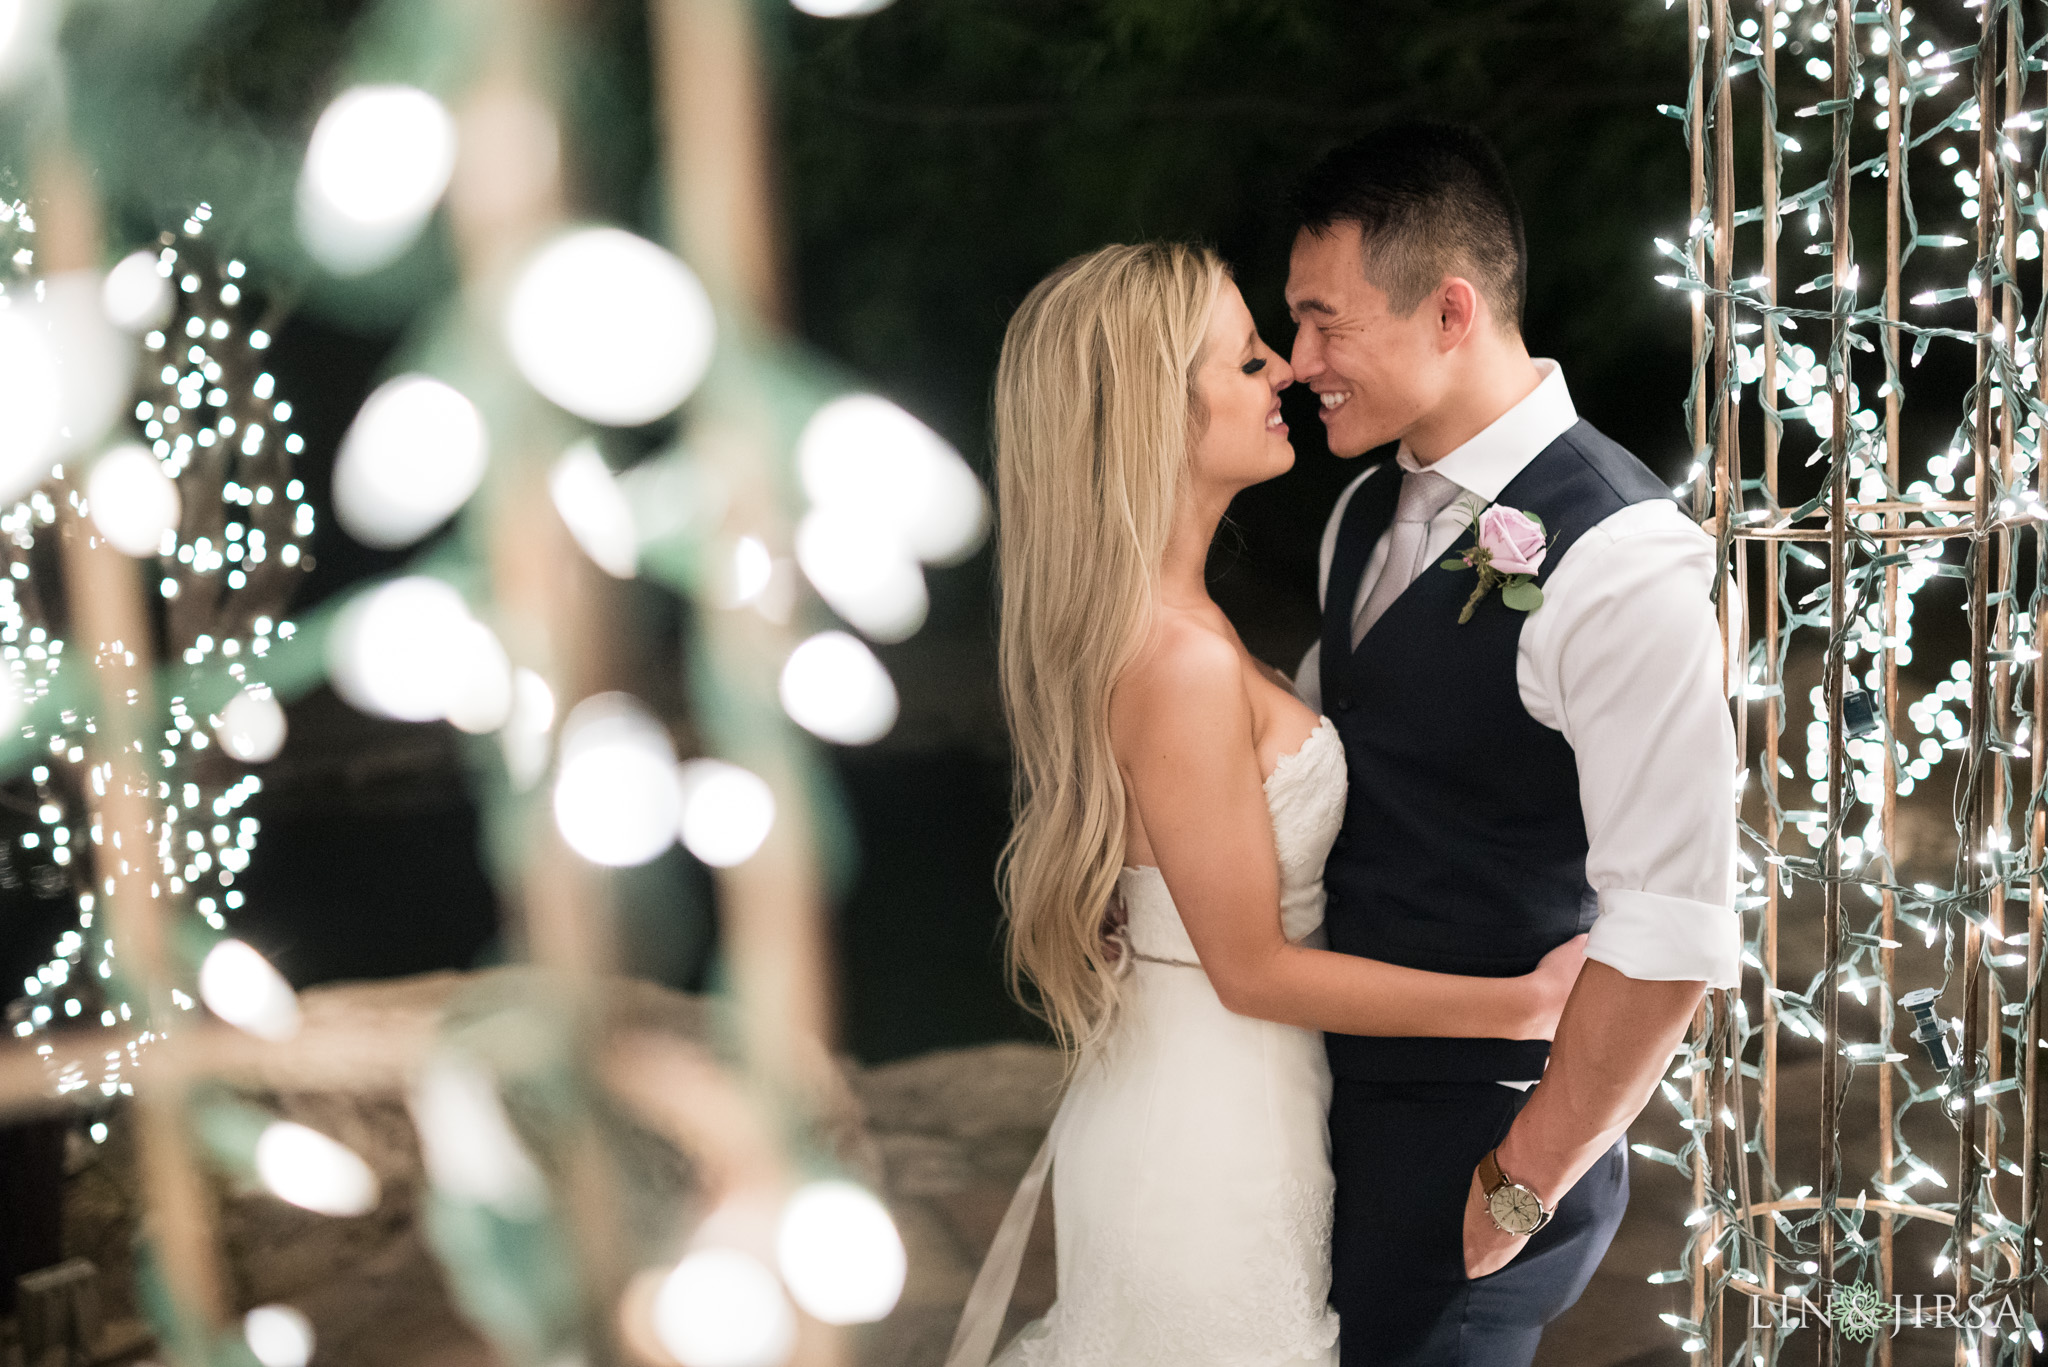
<point x="1613" y="1043"/>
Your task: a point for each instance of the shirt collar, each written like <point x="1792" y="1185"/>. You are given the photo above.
<point x="1486" y="463"/>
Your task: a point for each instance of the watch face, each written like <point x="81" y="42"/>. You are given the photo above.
<point x="1515" y="1208"/>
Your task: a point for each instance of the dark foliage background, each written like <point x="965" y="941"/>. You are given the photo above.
<point x="936" y="160"/>
<point x="944" y="155"/>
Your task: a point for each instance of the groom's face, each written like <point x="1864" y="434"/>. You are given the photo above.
<point x="1375" y="374"/>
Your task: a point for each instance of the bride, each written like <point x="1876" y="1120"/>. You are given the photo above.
<point x="1164" y="771"/>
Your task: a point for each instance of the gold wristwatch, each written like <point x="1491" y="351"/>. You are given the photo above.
<point x="1515" y="1208"/>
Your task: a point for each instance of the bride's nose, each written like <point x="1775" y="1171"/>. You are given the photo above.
<point x="1282" y="374"/>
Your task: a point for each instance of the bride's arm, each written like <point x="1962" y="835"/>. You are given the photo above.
<point x="1183" y="726"/>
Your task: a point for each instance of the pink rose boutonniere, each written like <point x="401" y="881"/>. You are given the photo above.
<point x="1510" y="550"/>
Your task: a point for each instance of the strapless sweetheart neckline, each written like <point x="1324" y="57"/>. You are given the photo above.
<point x="1280" y="766"/>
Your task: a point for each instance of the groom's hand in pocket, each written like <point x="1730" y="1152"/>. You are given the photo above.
<point x="1488" y="1247"/>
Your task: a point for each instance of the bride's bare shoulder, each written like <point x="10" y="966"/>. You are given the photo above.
<point x="1186" y="674"/>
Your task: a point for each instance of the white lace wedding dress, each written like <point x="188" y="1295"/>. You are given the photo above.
<point x="1191" y="1171"/>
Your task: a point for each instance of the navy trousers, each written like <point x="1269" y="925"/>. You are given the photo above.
<point x="1404" y="1154"/>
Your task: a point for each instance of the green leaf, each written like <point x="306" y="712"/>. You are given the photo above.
<point x="1522" y="597"/>
<point x="1454" y="563"/>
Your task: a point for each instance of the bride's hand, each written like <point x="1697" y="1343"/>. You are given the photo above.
<point x="1551" y="983"/>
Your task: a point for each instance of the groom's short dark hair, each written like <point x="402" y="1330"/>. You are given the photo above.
<point x="1430" y="200"/>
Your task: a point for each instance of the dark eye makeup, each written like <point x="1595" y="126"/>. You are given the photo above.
<point x="1255" y="366"/>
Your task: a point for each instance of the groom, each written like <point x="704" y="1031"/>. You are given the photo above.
<point x="1538" y="770"/>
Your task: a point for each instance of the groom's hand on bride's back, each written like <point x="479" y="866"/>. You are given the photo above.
<point x="1550" y="984"/>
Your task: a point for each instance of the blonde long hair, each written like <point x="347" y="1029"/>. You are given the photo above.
<point x="1095" y="411"/>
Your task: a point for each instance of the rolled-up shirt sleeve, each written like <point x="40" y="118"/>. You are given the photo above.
<point x="1627" y="652"/>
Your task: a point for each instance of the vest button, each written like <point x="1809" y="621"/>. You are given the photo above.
<point x="1343" y="704"/>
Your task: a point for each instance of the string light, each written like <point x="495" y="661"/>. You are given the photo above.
<point x="594" y="509"/>
<point x="133" y="502"/>
<point x="379" y="159"/>
<point x="727" y="811"/>
<point x="278" y="1336"/>
<point x="307" y="1169"/>
<point x="414" y="454"/>
<point x="835" y="688"/>
<point x="610" y="326"/>
<point x="840" y="1254"/>
<point x="219" y="437"/>
<point x="1812" y="391"/>
<point x="240" y="986"/>
<point x="617" y="798"/>
<point x="723" y="1308"/>
<point x="470" y="1149"/>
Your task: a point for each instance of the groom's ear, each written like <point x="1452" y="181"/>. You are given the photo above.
<point x="1458" y="307"/>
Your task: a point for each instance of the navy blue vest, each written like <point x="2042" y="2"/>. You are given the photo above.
<point x="1463" y="848"/>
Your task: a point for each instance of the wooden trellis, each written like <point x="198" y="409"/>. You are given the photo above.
<point x="1888" y="87"/>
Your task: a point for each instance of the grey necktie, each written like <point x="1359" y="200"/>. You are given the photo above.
<point x="1424" y="494"/>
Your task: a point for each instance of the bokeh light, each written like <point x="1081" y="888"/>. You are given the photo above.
<point x="414" y="455"/>
<point x="835" y="688"/>
<point x="31" y="407"/>
<point x="840" y="9"/>
<point x="723" y="1308"/>
<point x="306" y="1168"/>
<point x="594" y="509"/>
<point x="252" y="726"/>
<point x="407" y="649"/>
<point x="279" y="1336"/>
<point x="840" y="1253"/>
<point x="610" y="326"/>
<point x="241" y="987"/>
<point x="133" y="502"/>
<point x="379" y="159"/>
<point x="727" y="811"/>
<point x="617" y="799"/>
<point x="137" y="292"/>
<point x="467" y="1141"/>
<point x="864" y="456"/>
<point x="480" y="698"/>
<point x="864" y="571"/>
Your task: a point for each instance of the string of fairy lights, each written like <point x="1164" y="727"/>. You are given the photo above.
<point x="574" y="329"/>
<point x="1939" y="55"/>
<point x="231" y="541"/>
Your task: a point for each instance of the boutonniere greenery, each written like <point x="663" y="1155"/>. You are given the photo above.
<point x="1508" y="551"/>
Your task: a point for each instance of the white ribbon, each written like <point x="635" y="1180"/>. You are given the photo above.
<point x="988" y="1303"/>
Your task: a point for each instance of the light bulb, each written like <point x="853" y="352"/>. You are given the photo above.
<point x="403" y="649"/>
<point x="136" y="295"/>
<point x="27" y="28"/>
<point x="309" y="1170"/>
<point x="865" y="456"/>
<point x="133" y="502"/>
<point x="378" y="161"/>
<point x="527" y="731"/>
<point x="840" y="9"/>
<point x="413" y="455"/>
<point x="595" y="510"/>
<point x="722" y="1308"/>
<point x="610" y="326"/>
<point x="840" y="1253"/>
<point x="241" y="987"/>
<point x="252" y="725"/>
<point x="467" y="1141"/>
<point x="31" y="407"/>
<point x="834" y="687"/>
<point x="617" y="801"/>
<point x="862" y="568"/>
<point x="481" y="696"/>
<point x="279" y="1336"/>
<point x="727" y="811"/>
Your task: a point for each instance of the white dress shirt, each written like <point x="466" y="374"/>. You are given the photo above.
<point x="1625" y="660"/>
